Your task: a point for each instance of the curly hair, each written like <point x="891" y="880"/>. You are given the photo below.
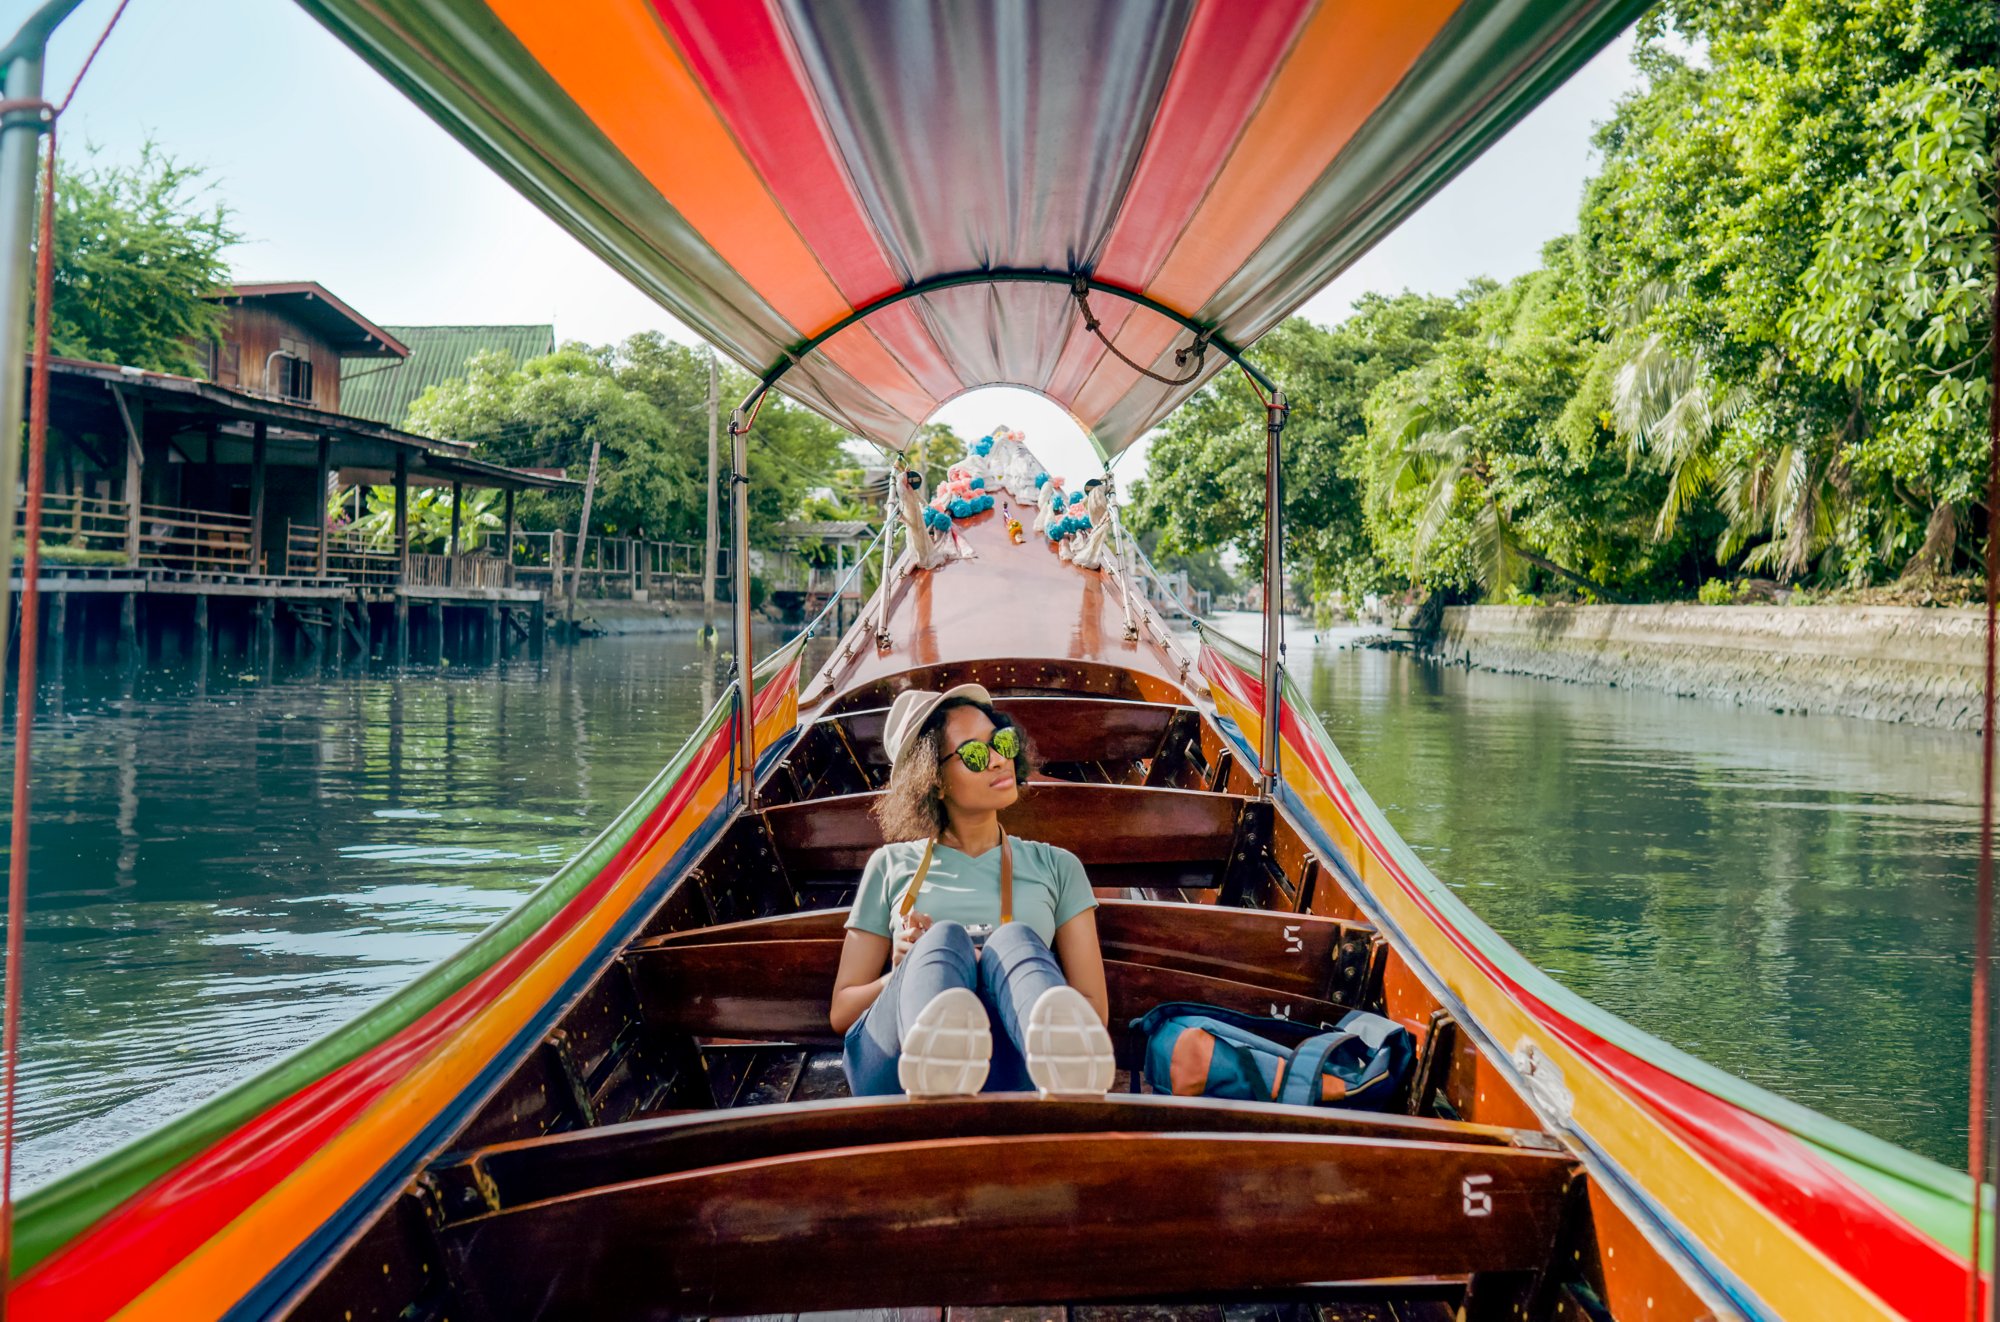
<point x="912" y="805"/>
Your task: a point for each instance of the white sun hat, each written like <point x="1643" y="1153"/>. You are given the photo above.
<point x="912" y="708"/>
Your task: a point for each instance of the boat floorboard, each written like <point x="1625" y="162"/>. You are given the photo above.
<point x="1341" y="1310"/>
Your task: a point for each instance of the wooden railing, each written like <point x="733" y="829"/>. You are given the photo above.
<point x="472" y="570"/>
<point x="196" y="541"/>
<point x="347" y="557"/>
<point x="614" y="566"/>
<point x="85" y="523"/>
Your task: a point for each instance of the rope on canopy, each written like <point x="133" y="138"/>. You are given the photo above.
<point x="1080" y="286"/>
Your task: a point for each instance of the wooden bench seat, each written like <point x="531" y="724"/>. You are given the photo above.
<point x="1037" y="1202"/>
<point x="1058" y="729"/>
<point x="1318" y="957"/>
<point x="772" y="978"/>
<point x="1126" y="835"/>
<point x="506" y="1175"/>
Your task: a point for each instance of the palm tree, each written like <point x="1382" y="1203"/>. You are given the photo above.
<point x="1427" y="453"/>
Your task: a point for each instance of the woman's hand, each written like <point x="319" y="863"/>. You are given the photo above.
<point x="913" y="928"/>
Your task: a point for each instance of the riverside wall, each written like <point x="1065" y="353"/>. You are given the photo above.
<point x="1918" y="665"/>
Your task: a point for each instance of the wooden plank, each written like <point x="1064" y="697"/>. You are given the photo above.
<point x="1320" y="957"/>
<point x="1124" y="826"/>
<point x="515" y="1173"/>
<point x="779" y="991"/>
<point x="976" y="1221"/>
<point x="1058" y="729"/>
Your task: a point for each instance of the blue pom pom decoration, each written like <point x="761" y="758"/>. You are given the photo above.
<point x="978" y="484"/>
<point x="984" y="502"/>
<point x="1041" y="480"/>
<point x="1076" y="497"/>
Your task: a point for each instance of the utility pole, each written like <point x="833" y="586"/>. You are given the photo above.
<point x="582" y="533"/>
<point x="708" y="544"/>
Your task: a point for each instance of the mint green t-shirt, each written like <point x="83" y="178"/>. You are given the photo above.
<point x="1049" y="887"/>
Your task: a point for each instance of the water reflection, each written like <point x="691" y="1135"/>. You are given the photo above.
<point x="224" y="873"/>
<point x="1788" y="897"/>
<point x="225" y="870"/>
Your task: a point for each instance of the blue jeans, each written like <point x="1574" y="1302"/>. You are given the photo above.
<point x="1014" y="968"/>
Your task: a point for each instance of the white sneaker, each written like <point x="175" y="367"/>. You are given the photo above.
<point x="1069" y="1053"/>
<point x="948" y="1050"/>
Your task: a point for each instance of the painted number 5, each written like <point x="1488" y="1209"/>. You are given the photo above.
<point x="1478" y="1202"/>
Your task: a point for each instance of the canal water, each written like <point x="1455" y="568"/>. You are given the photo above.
<point x="222" y="876"/>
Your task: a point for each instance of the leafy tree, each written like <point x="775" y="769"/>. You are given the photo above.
<point x="546" y="413"/>
<point x="138" y="254"/>
<point x="645" y="401"/>
<point x="1811" y="200"/>
<point x="429" y="525"/>
<point x="1205" y="484"/>
<point x="1766" y="348"/>
<point x="936" y="448"/>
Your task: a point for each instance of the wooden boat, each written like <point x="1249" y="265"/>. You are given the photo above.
<point x="623" y="1101"/>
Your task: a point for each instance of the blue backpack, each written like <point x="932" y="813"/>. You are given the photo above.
<point x="1197" y="1050"/>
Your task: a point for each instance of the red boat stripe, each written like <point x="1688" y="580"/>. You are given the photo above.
<point x="1887" y="1255"/>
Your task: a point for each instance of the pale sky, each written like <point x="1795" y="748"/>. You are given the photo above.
<point x="334" y="177"/>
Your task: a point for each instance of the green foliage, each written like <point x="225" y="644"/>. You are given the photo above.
<point x="1205" y="484"/>
<point x="1765" y="349"/>
<point x="1717" y="592"/>
<point x="57" y="553"/>
<point x="936" y="448"/>
<point x="138" y="252"/>
<point x="429" y="526"/>
<point x="645" y="403"/>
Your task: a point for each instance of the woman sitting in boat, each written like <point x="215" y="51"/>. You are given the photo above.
<point x="974" y="926"/>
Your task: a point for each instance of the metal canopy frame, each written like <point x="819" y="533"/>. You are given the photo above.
<point x="745" y="414"/>
<point x="1001" y="276"/>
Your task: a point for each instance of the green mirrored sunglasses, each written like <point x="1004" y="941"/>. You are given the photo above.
<point x="978" y="754"/>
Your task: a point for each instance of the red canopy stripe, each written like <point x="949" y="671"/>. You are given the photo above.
<point x="745" y="59"/>
<point x="1226" y="65"/>
<point x="614" y="60"/>
<point x="1291" y="140"/>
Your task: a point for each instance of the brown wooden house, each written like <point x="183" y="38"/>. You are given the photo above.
<point x="285" y="341"/>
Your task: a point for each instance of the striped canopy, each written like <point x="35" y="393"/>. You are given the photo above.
<point x="768" y="168"/>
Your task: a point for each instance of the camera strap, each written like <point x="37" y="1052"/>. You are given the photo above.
<point x="909" y="901"/>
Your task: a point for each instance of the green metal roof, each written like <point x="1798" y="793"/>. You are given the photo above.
<point x="379" y="393"/>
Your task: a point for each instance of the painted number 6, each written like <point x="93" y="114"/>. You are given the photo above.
<point x="1478" y="1202"/>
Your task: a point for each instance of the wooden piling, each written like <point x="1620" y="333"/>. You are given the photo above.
<point x="265" y="636"/>
<point x="57" y="649"/>
<point x="258" y="487"/>
<point x="493" y="627"/>
<point x="402" y="632"/>
<point x="436" y="626"/>
<point x="128" y="629"/>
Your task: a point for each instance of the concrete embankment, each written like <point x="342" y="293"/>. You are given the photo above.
<point x="1891" y="663"/>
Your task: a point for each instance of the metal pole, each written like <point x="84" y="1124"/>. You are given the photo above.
<point x="739" y="566"/>
<point x="888" y="556"/>
<point x="708" y="547"/>
<point x="20" y="143"/>
<point x="325" y="479"/>
<point x="582" y="540"/>
<point x="1274" y="593"/>
<point x="1121" y="548"/>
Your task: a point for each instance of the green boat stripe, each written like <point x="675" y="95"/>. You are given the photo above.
<point x="1932" y="1197"/>
<point x="56" y="1213"/>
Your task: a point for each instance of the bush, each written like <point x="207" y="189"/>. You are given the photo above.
<point x="1717" y="592"/>
<point x="76" y="555"/>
